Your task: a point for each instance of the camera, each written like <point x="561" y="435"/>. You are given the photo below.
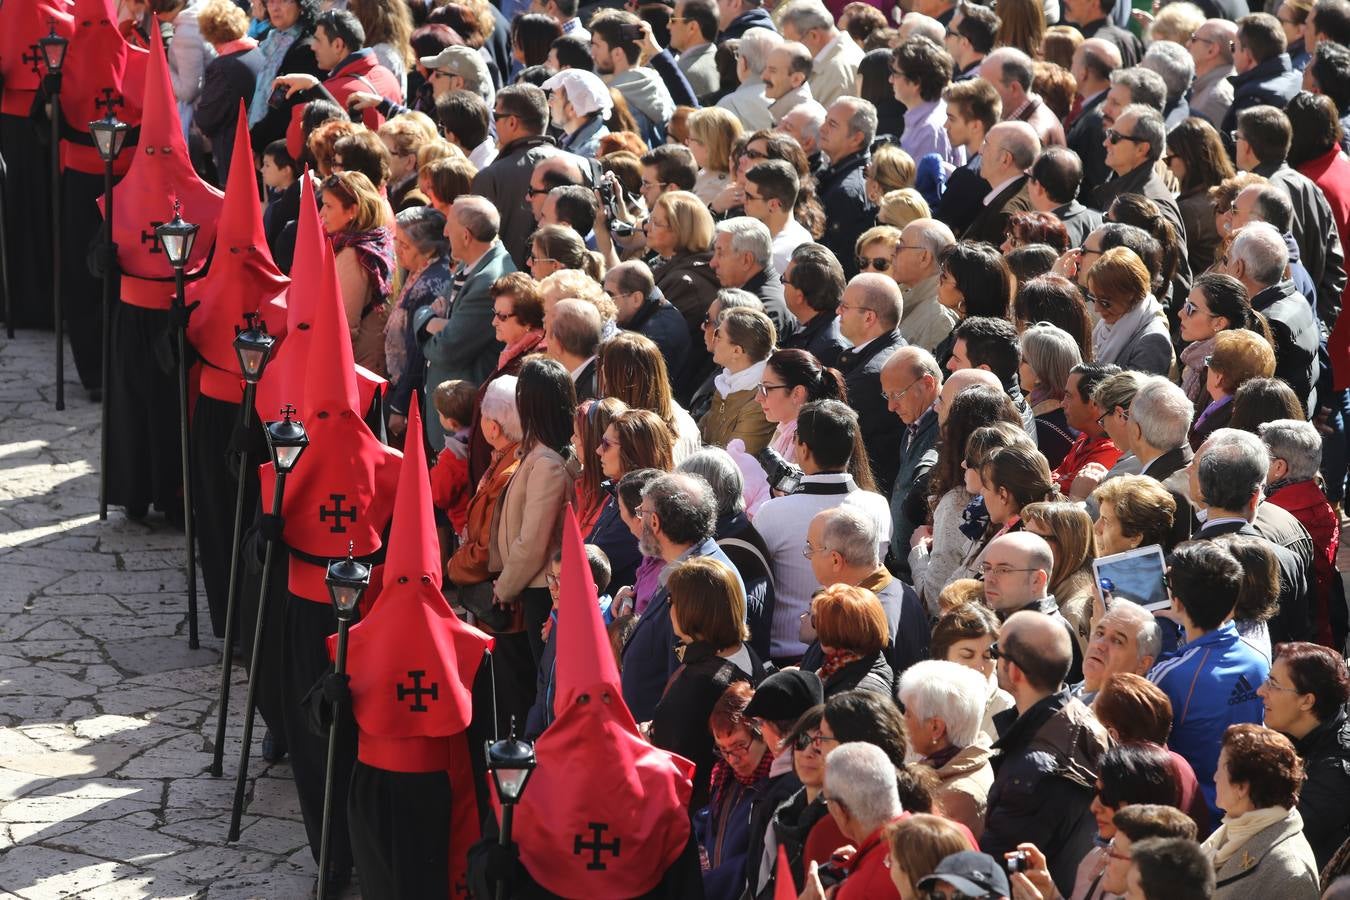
<point x="277" y="99"/>
<point x="784" y="477"/>
<point x="831" y="873"/>
<point x="610" y="198"/>
<point x="1017" y="862"/>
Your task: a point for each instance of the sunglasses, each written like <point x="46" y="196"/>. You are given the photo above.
<point x="878" y="263"/>
<point x="1115" y="137"/>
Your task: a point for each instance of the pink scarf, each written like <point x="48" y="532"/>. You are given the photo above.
<point x="524" y="345"/>
<point x="243" y="43"/>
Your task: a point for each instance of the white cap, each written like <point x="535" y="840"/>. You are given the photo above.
<point x="585" y="91"/>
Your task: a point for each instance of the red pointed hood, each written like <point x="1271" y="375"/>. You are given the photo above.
<point x="99" y="57"/>
<point x="24" y="24"/>
<point x="330" y="371"/>
<point x="784" y="888"/>
<point x="598" y="831"/>
<point x="243" y="278"/>
<point x="411" y="628"/>
<point x="160" y="175"/>
<point x="284" y="380"/>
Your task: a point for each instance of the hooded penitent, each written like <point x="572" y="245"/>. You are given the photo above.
<point x="98" y="59"/>
<point x="412" y="662"/>
<point x="342" y="490"/>
<point x="161" y="180"/>
<point x="243" y="279"/>
<point x="587" y="830"/>
<point x="24" y="23"/>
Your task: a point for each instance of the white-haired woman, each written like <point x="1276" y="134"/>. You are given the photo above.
<point x="1048" y="354"/>
<point x="944" y="704"/>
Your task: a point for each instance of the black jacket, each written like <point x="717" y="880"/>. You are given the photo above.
<point x="299" y="60"/>
<point x="1142" y="180"/>
<point x="780" y="790"/>
<point x="1296" y="337"/>
<point x="586" y="382"/>
<point x="768" y="287"/>
<point x="1324" y="802"/>
<point x="689" y="284"/>
<point x="1293" y="621"/>
<point x="962" y="198"/>
<point x="1079" y="221"/>
<point x="1314" y="229"/>
<point x="227" y="80"/>
<point x="1273" y="82"/>
<point x="820" y="337"/>
<point x="744" y="546"/>
<point x="880" y="427"/>
<point x="848" y="212"/>
<point x="871" y="673"/>
<point x="792" y="824"/>
<point x="991" y="223"/>
<point x="1085" y="137"/>
<point x="1131" y="49"/>
<point x="662" y="322"/>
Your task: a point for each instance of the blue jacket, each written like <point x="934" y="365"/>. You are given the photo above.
<point x="1212" y="684"/>
<point x="611" y="535"/>
<point x="722" y="829"/>
<point x="663" y="323"/>
<point x="1273" y="82"/>
<point x="649" y="656"/>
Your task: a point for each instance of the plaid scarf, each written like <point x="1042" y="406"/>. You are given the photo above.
<point x="836" y="660"/>
<point x="723" y="774"/>
<point x="374" y="251"/>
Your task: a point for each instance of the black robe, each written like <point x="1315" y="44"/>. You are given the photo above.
<point x="28" y="222"/>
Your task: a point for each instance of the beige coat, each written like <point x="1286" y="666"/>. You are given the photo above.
<point x="966" y="779"/>
<point x="526" y="524"/>
<point x="833" y="75"/>
<point x="737" y="415"/>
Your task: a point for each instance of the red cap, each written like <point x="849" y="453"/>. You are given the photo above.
<point x="598" y="831"/>
<point x="160" y="179"/>
<point x="243" y="278"/>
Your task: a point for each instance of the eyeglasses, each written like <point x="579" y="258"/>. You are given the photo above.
<point x="1195" y="36"/>
<point x="754" y="154"/>
<point x="1191" y="309"/>
<point x="845" y="306"/>
<point x="551" y="579"/>
<point x="807" y="739"/>
<point x="1103" y="305"/>
<point x="708" y="322"/>
<point x="533" y="191"/>
<point x="502" y="317"/>
<point x="953" y="34"/>
<point x="1270" y="683"/>
<point x="894" y="396"/>
<point x="1235" y="136"/>
<point x="1115" y="137"/>
<point x="735" y="751"/>
<point x="1111" y="852"/>
<point x="899" y="247"/>
<point x="541" y="259"/>
<point x="641" y="513"/>
<point x="605" y="444"/>
<point x="498" y="116"/>
<point x="747" y="196"/>
<point x="764" y="387"/>
<point x="995" y="653"/>
<point x="1002" y="572"/>
<point x="808" y="551"/>
<point x="876" y="263"/>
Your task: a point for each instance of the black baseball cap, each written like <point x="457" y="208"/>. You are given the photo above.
<point x="973" y="874"/>
<point x="784" y="696"/>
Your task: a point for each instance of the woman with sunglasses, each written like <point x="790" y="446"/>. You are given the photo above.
<point x="876" y="247"/>
<point x="1216" y="303"/>
<point x="792" y="379"/>
<point x="974" y="280"/>
<point x="635" y="439"/>
<point x="806" y="814"/>
<point x="1132" y="329"/>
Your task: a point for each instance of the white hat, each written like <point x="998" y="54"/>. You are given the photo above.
<point x="585" y="91"/>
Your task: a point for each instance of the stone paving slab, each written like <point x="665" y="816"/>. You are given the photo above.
<point x="106" y="716"/>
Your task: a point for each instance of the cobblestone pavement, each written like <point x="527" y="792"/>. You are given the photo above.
<point x="106" y="716"/>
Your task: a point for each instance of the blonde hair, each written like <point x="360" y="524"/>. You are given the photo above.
<point x="220" y="22"/>
<point x="899" y="208"/>
<point x="574" y="284"/>
<point x="717" y="129"/>
<point x="355" y="189"/>
<point x="892" y="168"/>
<point x="1121" y="273"/>
<point x="886" y="234"/>
<point x="1178" y="21"/>
<point x="689" y="218"/>
<point x="409" y="132"/>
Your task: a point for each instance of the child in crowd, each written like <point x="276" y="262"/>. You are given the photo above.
<point x="450" y="486"/>
<point x="279" y="173"/>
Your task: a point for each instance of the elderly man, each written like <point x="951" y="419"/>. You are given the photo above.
<point x="920" y="70"/>
<point x="1092" y="19"/>
<point x="552" y="172"/>
<point x="1048" y="752"/>
<point x="1264" y="135"/>
<point x="1266" y="202"/>
<point x="834" y="56"/>
<point x="679" y="515"/>
<point x="521" y="116"/>
<point x="911" y="382"/>
<point x="748" y="102"/>
<point x="1016" y="570"/>
<point x="843" y="543"/>
<point x="1226" y="479"/>
<point x="826" y="431"/>
<point x="1126" y="639"/>
<point x="692" y="30"/>
<point x="1010" y="71"/>
<point x="785" y="79"/>
<point x="1259" y="258"/>
<point x="1133" y="86"/>
<point x="860" y="782"/>
<point x="869" y="314"/>
<point x="1093" y="63"/>
<point x="743" y="258"/>
<point x="960" y="380"/>
<point x="1177" y="70"/>
<point x="971" y="34"/>
<point x="845" y="138"/>
<point x="461" y="344"/>
<point x="813" y="285"/>
<point x="642" y="309"/>
<point x="1265" y="74"/>
<point x="1134" y="144"/>
<point x="803" y="126"/>
<point x="573" y="340"/>
<point x="915" y="268"/>
<point x="1009" y="150"/>
<point x="1052" y="187"/>
<point x="1211" y="48"/>
<point x="1159" y="421"/>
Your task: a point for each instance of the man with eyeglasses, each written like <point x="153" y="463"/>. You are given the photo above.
<point x="1009" y="150"/>
<point x="915" y="268"/>
<point x="1016" y="571"/>
<point x="1134" y="143"/>
<point x="911" y="382"/>
<point x="1264" y="73"/>
<point x="971" y="34"/>
<point x="642" y="309"/>
<point x="1212" y="92"/>
<point x="869" y="316"/>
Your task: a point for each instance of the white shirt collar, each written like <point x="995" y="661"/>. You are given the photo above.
<point x="998" y="189"/>
<point x="576" y="373"/>
<point x="825" y="51"/>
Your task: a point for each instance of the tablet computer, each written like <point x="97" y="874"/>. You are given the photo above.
<point x="1135" y="575"/>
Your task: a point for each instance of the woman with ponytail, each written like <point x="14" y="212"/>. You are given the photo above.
<point x="792" y="379"/>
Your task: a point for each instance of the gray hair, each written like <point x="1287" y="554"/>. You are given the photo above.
<point x="1232" y="467"/>
<point x="1148" y="635"/>
<point x="1148" y="126"/>
<point x="1296" y="442"/>
<point x="478" y="216"/>
<point x="1174" y="66"/>
<point x="863" y="119"/>
<point x="1145" y="87"/>
<point x="685" y="505"/>
<point x="812" y="115"/>
<point x="917" y="361"/>
<point x="576" y="327"/>
<point x="755" y="46"/>
<point x="934" y="235"/>
<point x="861" y="778"/>
<point x="918" y="25"/>
<point x="716" y="466"/>
<point x="1051" y="352"/>
<point x="1262" y="247"/>
<point x="852" y="535"/>
<point x="1163" y="413"/>
<point x="424" y="226"/>
<point x="749" y="236"/>
<point x="736" y="298"/>
<point x="956" y="694"/>
<point x="1014" y="65"/>
<point x="805" y="15"/>
<point x="499" y="405"/>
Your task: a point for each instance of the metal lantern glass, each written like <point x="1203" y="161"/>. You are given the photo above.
<point x="347" y="581"/>
<point x="286" y="440"/>
<point x="177" y="238"/>
<point x="109" y="133"/>
<point x="53" y="49"/>
<point x="253" y="346"/>
<point x="511" y="762"/>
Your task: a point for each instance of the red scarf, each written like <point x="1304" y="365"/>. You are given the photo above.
<point x="836" y="660"/>
<point x="374" y="251"/>
<point x="723" y="773"/>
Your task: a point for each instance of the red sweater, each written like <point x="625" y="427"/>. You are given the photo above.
<point x="1085" y="449"/>
<point x="1305" y="501"/>
<point x="450" y="488"/>
<point x="1331" y="173"/>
